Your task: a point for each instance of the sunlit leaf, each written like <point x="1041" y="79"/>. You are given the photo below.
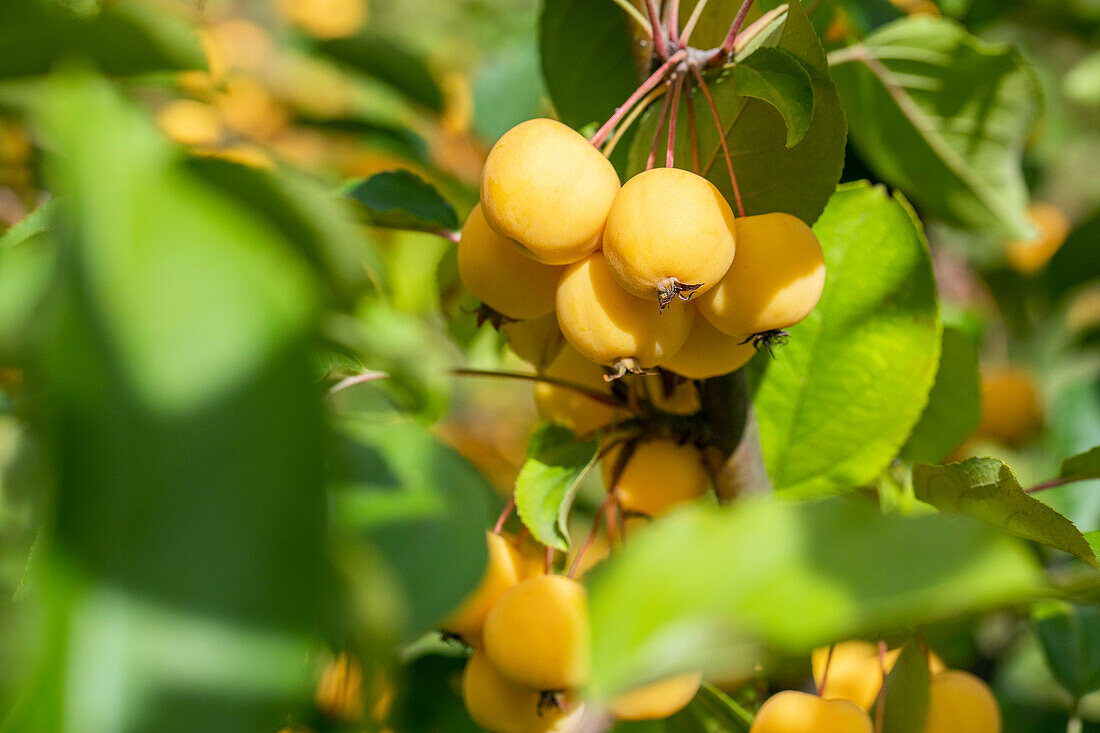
<point x="402" y="200"/>
<point x="954" y="404"/>
<point x="905" y="702"/>
<point x="556" y="464"/>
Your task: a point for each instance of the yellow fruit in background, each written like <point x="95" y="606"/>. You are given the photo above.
<point x="546" y="187"/>
<point x="247" y="107"/>
<point x="326" y="18"/>
<point x="775" y="280"/>
<point x="959" y="702"/>
<point x="502" y="706"/>
<point x="673" y="395"/>
<point x="1011" y="413"/>
<point x="537" y="341"/>
<point x="339" y="694"/>
<point x="537" y="633"/>
<point x="657" y="700"/>
<point x="709" y="353"/>
<point x="1053" y="226"/>
<point x="190" y="123"/>
<point x="501" y="574"/>
<point x="799" y="712"/>
<point x="855" y="672"/>
<point x="495" y="271"/>
<point x="244" y="44"/>
<point x="571" y="408"/>
<point x="668" y="228"/>
<point x="659" y="476"/>
<point x="607" y="324"/>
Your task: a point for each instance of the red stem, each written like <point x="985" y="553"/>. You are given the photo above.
<point x="504" y="514"/>
<point x="677" y="85"/>
<point x="548" y="563"/>
<point x="449" y="235"/>
<point x="721" y="140"/>
<point x="727" y="45"/>
<point x="659" y="45"/>
<point x="657" y="134"/>
<point x="1051" y="484"/>
<point x="654" y="79"/>
<point x="825" y="672"/>
<point x="672" y="20"/>
<point x="591" y="534"/>
<point x="522" y="376"/>
<point x="693" y="130"/>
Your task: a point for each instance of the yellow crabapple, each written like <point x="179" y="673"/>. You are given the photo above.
<point x="775" y="280"/>
<point x="549" y="189"/>
<point x="669" y="232"/>
<point x="709" y="352"/>
<point x="501" y="574"/>
<point x="656" y="700"/>
<point x="1011" y="413"/>
<point x="1052" y="227"/>
<point x="190" y="123"/>
<point x="500" y="705"/>
<point x="498" y="274"/>
<point x="537" y="633"/>
<point x="658" y="476"/>
<point x="575" y="410"/>
<point x="959" y="702"/>
<point x="610" y="326"/>
<point x="537" y="341"/>
<point x="799" y="712"/>
<point x="675" y="396"/>
<point x="855" y="671"/>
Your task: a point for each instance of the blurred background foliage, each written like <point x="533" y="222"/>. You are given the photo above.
<point x="213" y="517"/>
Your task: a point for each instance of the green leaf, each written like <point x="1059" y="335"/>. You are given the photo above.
<point x="1070" y="637"/>
<point x="954" y="404"/>
<point x="699" y="589"/>
<point x="27" y="260"/>
<point x="770" y="175"/>
<point x="1077" y="261"/>
<point x="387" y="61"/>
<point x="508" y="89"/>
<point x="402" y="200"/>
<point x="1082" y="466"/>
<point x="587" y="58"/>
<point x="943" y="116"/>
<point x="1093" y="538"/>
<point x="556" y="464"/>
<point x="839" y="399"/>
<point x="710" y="711"/>
<point x="906" y="696"/>
<point x="986" y="489"/>
<point x="777" y="77"/>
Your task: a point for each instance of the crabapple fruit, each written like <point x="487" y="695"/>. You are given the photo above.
<point x="549" y="189"/>
<point x="709" y="352"/>
<point x="658" y="476"/>
<point x="1052" y="227"/>
<point x="498" y="274"/>
<point x="800" y="712"/>
<point x="571" y="408"/>
<point x="1011" y="413"/>
<point x="537" y="341"/>
<point x="657" y="700"/>
<point x="502" y="706"/>
<point x="669" y="232"/>
<point x="775" y="280"/>
<point x="501" y="574"/>
<point x="855" y="671"/>
<point x="959" y="702"/>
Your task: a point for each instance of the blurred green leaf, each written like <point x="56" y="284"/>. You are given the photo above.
<point x="943" y="116"/>
<point x="839" y="399"/>
<point x="125" y="38"/>
<point x="556" y="464"/>
<point x="402" y="200"/>
<point x="27" y="261"/>
<point x="778" y="77"/>
<point x="1070" y="636"/>
<point x="1077" y="261"/>
<point x="954" y="404"/>
<point x="1082" y="82"/>
<point x="771" y="176"/>
<point x="508" y="89"/>
<point x="430" y="697"/>
<point x="710" y="711"/>
<point x="906" y="697"/>
<point x="696" y="589"/>
<point x="587" y="58"/>
<point x="986" y="489"/>
<point x="1082" y="466"/>
<point x="389" y="62"/>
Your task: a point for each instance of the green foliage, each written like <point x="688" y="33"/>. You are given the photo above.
<point x="695" y="590"/>
<point x="402" y="200"/>
<point x="1082" y="466"/>
<point x="387" y="61"/>
<point x="986" y="488"/>
<point x="711" y="711"/>
<point x="905" y="702"/>
<point x="1070" y="637"/>
<point x="1077" y="261"/>
<point x="954" y="404"/>
<point x="778" y="77"/>
<point x="26" y="265"/>
<point x="556" y="464"/>
<point x="951" y="140"/>
<point x="840" y="398"/>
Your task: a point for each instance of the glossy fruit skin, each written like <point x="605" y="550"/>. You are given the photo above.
<point x="659" y="476"/>
<point x="799" y="712"/>
<point x="568" y="407"/>
<point x="537" y="633"/>
<point x="549" y="189"/>
<point x="605" y="323"/>
<point x="709" y="352"/>
<point x="959" y="702"/>
<point x="855" y="672"/>
<point x="537" y="341"/>
<point x="502" y="706"/>
<point x="498" y="274"/>
<point x="775" y="280"/>
<point x="1052" y="227"/>
<point x="668" y="223"/>
<point x="501" y="574"/>
<point x="657" y="700"/>
<point x="1011" y="413"/>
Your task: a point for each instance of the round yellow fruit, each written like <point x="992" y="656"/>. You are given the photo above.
<point x="1052" y="227"/>
<point x="546" y="187"/>
<point x="498" y="274"/>
<point x="500" y="705"/>
<point x="658" y="700"/>
<point x="1011" y="413"/>
<point x="855" y="671"/>
<point x="190" y="123"/>
<point x="799" y="712"/>
<point x="571" y="408"/>
<point x="501" y="574"/>
<point x="775" y="280"/>
<point x="537" y="633"/>
<point x="959" y="702"/>
<point x="537" y="341"/>
<point x="659" y="476"/>
<point x="669" y="231"/>
<point x="675" y="396"/>
<point x="709" y="353"/>
<point x="326" y="18"/>
<point x="606" y="324"/>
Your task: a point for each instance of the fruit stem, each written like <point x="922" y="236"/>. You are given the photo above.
<point x="659" y="45"/>
<point x="672" y="20"/>
<point x="635" y="113"/>
<point x="657" y="133"/>
<point x="880" y="709"/>
<point x="726" y="49"/>
<point x="636" y="14"/>
<point x="1051" y="484"/>
<point x="825" y="672"/>
<point x="677" y="86"/>
<point x="548" y="562"/>
<point x="449" y="235"/>
<point x="523" y="376"/>
<point x="695" y="13"/>
<point x="654" y="79"/>
<point x="693" y="130"/>
<point x="721" y="139"/>
<point x="506" y="512"/>
<point x="595" y="530"/>
<point x="367" y="376"/>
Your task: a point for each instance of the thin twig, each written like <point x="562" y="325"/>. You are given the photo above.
<point x="746" y="36"/>
<point x="727" y="45"/>
<point x="548" y="563"/>
<point x="504" y="514"/>
<point x="693" y="130"/>
<point x="636" y="14"/>
<point x="657" y="134"/>
<point x="825" y="672"/>
<point x="672" y="20"/>
<point x="686" y="35"/>
<point x="449" y="235"/>
<point x="659" y="45"/>
<point x="654" y="79"/>
<point x="722" y="140"/>
<point x="635" y="113"/>
<point x="356" y="379"/>
<point x="1051" y="484"/>
<point x="523" y="376"/>
<point x="592" y="533"/>
<point x="677" y="85"/>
